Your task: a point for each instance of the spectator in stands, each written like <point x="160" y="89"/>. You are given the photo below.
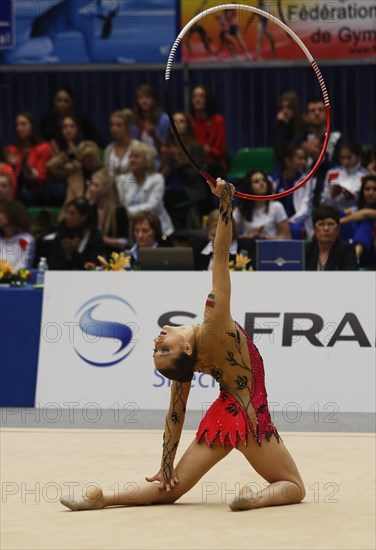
<point x="116" y="155"/>
<point x="184" y="185"/>
<point x="311" y="140"/>
<point x="77" y="240"/>
<point x="109" y="214"/>
<point x="327" y="251"/>
<point x="359" y="225"/>
<point x="6" y="188"/>
<point x="343" y="183"/>
<point x="6" y="169"/>
<point x="261" y="219"/>
<point x="147" y="232"/>
<point x="151" y="123"/>
<point x="80" y="171"/>
<point x="289" y="123"/>
<point x="312" y="137"/>
<point x="203" y="247"/>
<point x="17" y="245"/>
<point x="369" y="160"/>
<point x="28" y="155"/>
<point x="64" y="160"/>
<point x="143" y="187"/>
<point x="63" y="105"/>
<point x="298" y="205"/>
<point x="209" y="129"/>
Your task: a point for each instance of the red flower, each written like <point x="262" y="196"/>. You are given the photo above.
<point x="23" y="243"/>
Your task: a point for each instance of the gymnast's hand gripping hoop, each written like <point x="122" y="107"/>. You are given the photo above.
<point x="313" y="63"/>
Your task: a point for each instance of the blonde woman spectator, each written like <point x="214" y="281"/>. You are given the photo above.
<point x="79" y="172"/>
<point x="116" y="155"/>
<point x="6" y="190"/>
<point x="143" y="188"/>
<point x="109" y="214"/>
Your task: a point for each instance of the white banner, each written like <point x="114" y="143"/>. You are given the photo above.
<point x="315" y="331"/>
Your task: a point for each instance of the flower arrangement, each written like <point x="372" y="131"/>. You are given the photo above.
<point x="8" y="275"/>
<point x="240" y="263"/>
<point x="118" y="262"/>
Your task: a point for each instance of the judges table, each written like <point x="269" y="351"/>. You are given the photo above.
<point x="20" y="318"/>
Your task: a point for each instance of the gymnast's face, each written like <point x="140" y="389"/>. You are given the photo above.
<point x="168" y="345"/>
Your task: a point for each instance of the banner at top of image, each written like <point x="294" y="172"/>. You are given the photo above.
<point x="339" y="29"/>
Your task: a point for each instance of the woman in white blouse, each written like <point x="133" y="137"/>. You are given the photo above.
<point x="116" y="155"/>
<point x="143" y="187"/>
<point x="260" y="219"/>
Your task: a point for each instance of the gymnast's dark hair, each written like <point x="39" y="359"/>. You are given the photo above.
<point x="181" y="368"/>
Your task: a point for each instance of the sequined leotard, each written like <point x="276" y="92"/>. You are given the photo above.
<point x="242" y="405"/>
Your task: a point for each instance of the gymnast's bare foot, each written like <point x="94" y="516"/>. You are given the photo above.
<point x="93" y="499"/>
<point x="245" y="501"/>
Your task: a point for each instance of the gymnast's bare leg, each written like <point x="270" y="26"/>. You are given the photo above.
<point x="197" y="460"/>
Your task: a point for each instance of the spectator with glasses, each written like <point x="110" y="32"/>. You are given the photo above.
<point x="327" y="251"/>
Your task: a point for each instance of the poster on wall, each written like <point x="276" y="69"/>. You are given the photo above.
<point x="6" y="24"/>
<point x="339" y="29"/>
<point x="91" y="31"/>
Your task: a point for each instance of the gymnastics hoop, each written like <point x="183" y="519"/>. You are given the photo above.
<point x="313" y="63"/>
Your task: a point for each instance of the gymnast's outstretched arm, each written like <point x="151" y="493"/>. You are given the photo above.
<point x="218" y="303"/>
<point x="171" y="437"/>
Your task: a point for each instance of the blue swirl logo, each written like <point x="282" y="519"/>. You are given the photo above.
<point x="107" y="328"/>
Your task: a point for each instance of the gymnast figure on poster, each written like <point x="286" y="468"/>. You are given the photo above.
<point x="239" y="418"/>
<point x="230" y="35"/>
<point x="262" y="29"/>
<point x="200" y="30"/>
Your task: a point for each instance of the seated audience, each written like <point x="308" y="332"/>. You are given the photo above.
<point x="184" y="185"/>
<point x="64" y="160"/>
<point x="298" y="205"/>
<point x="209" y="129"/>
<point x="327" y="251"/>
<point x="28" y="155"/>
<point x="17" y="245"/>
<point x="311" y="140"/>
<point x="116" y="155"/>
<point x="289" y="122"/>
<point x="110" y="216"/>
<point x="151" y="123"/>
<point x="343" y="183"/>
<point x="63" y="105"/>
<point x="6" y="169"/>
<point x="80" y="171"/>
<point x="359" y="225"/>
<point x="261" y="219"/>
<point x="77" y="240"/>
<point x="146" y="232"/>
<point x="6" y="188"/>
<point x="143" y="188"/>
<point x="203" y="247"/>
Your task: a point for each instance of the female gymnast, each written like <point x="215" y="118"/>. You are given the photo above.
<point x="238" y="418"/>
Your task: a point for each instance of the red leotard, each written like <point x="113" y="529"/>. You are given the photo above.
<point x="242" y="406"/>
